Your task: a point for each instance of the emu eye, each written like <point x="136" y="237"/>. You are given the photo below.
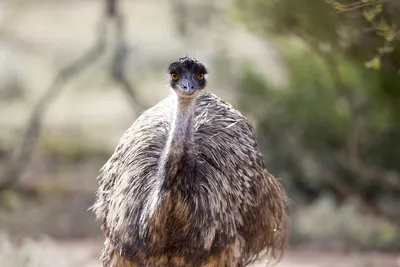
<point x="200" y="76"/>
<point x="174" y="76"/>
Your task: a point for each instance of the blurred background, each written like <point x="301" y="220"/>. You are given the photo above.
<point x="319" y="79"/>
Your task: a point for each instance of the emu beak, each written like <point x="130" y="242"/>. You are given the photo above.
<point x="187" y="85"/>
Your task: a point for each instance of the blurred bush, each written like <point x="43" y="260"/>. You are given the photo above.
<point x="343" y="227"/>
<point x="334" y="128"/>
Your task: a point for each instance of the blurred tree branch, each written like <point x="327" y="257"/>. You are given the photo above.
<point x="112" y="18"/>
<point x="34" y="124"/>
<point x="121" y="55"/>
<point x="352" y="6"/>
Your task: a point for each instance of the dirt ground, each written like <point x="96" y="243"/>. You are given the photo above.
<point x="86" y="254"/>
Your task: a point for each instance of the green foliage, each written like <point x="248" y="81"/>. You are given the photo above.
<point x="382" y="24"/>
<point x="364" y="31"/>
<point x="336" y="125"/>
<point x="318" y="117"/>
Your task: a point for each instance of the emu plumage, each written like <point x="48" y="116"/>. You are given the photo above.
<point x="187" y="186"/>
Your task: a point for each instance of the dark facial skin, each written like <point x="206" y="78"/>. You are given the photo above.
<point x="187" y="75"/>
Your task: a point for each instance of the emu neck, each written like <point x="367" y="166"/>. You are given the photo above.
<point x="180" y="138"/>
<point x="179" y="148"/>
<point x="181" y="132"/>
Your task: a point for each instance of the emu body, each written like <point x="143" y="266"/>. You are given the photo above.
<point x="187" y="186"/>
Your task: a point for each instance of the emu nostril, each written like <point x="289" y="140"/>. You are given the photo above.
<point x="184" y="87"/>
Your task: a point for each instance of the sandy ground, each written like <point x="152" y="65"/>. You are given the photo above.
<point x="86" y="253"/>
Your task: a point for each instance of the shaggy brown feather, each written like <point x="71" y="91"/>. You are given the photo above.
<point x="211" y="203"/>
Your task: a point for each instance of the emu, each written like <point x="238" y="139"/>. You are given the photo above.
<point x="187" y="186"/>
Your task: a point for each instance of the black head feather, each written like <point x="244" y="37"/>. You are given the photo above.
<point x="188" y="72"/>
<point x="187" y="64"/>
